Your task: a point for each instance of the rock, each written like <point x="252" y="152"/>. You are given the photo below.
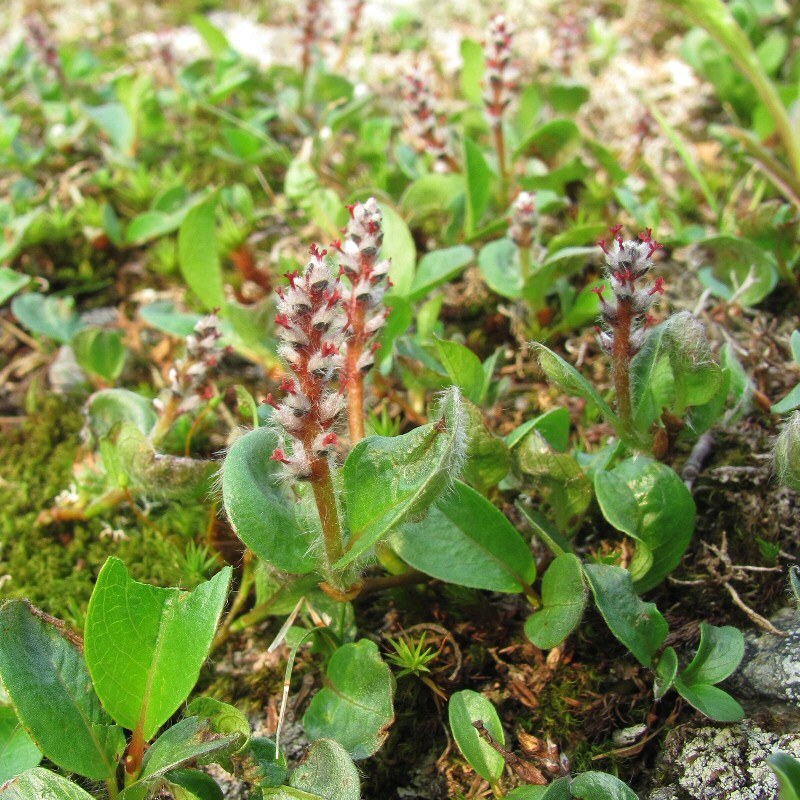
<point x="768" y="681"/>
<point x="715" y="763"/>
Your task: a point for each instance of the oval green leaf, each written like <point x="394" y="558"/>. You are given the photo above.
<point x="259" y="505"/>
<point x="466" y="540"/>
<point x="46" y="678"/>
<point x="563" y="603"/>
<point x="145" y="645"/>
<point x="465" y="708"/>
<point x="355" y="706"/>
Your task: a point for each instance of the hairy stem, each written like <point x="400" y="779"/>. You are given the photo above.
<point x="500" y="146"/>
<point x="621" y="362"/>
<point x="325" y="498"/>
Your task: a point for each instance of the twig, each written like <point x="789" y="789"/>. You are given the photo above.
<point x="697" y="459"/>
<point x="762" y="622"/>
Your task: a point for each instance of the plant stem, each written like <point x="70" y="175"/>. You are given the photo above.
<point x="133" y="761"/>
<point x="111" y="787"/>
<point x="325" y="498"/>
<point x="524" y="263"/>
<point x="500" y="146"/>
<point x="621" y="362"/>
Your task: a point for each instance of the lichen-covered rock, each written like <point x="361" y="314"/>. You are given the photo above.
<point x="716" y="763"/>
<point x="768" y="681"/>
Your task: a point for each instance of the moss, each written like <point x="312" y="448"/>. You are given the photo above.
<point x="55" y="566"/>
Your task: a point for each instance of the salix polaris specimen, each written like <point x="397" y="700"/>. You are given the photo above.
<point x="627" y="319"/>
<point x="311" y="323"/>
<point x="363" y="303"/>
<point x="188" y="377"/>
<point x="500" y="84"/>
<point x="522" y="224"/>
<point x="424" y="121"/>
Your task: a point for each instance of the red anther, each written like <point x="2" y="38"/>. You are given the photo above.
<point x="598" y="290"/>
<point x="291" y="277"/>
<point x="207" y="392"/>
<point x="330" y="439"/>
<point x="597" y="329"/>
<point x="336" y="244"/>
<point x="316" y="252"/>
<point x="649" y="321"/>
<point x="615" y="229"/>
<point x="342" y="270"/>
<point x="375" y="346"/>
<point x="646" y="235"/>
<point x="658" y="286"/>
<point x="334" y="297"/>
<point x="655" y="246"/>
<point x="283" y="321"/>
<point x="389" y="282"/>
<point x="287" y="385"/>
<point x="270" y="400"/>
<point x="279" y="291"/>
<point x="279" y="455"/>
<point x="602" y="245"/>
<point x="329" y="349"/>
<point x="351" y="209"/>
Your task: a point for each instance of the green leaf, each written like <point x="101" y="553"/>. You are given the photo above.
<point x="198" y="255"/>
<point x="571" y="381"/>
<point x="563" y="603"/>
<point x="638" y="625"/>
<point x="18" y="751"/>
<point x="711" y="701"/>
<point x="719" y="654"/>
<point x="463" y="367"/>
<point x="48" y="316"/>
<point x="191" y="784"/>
<point x="647" y="500"/>
<point x="149" y="225"/>
<point x="558" y="476"/>
<point x="106" y="408"/>
<point x="666" y="669"/>
<point x="165" y="317"/>
<point x="145" y="645"/>
<point x="46" y="678"/>
<point x="215" y="39"/>
<point x="398" y="245"/>
<point x="11" y="282"/>
<point x="259" y="504"/>
<point x="464" y="708"/>
<point x="472" y="69"/>
<point x="100" y="352"/>
<point x="600" y="786"/>
<point x="480" y="180"/>
<point x="553" y="425"/>
<point x="115" y="121"/>
<point x="788" y="403"/>
<point x="488" y="457"/>
<point x="787" y="770"/>
<point x="185" y="742"/>
<point x="438" y="267"/>
<point x="222" y="717"/>
<point x="355" y="705"/>
<point x="736" y="260"/>
<point x="548" y="139"/>
<point x="41" y="784"/>
<point x="500" y="267"/>
<point x="388" y="480"/>
<point x="327" y="771"/>
<point x="466" y="540"/>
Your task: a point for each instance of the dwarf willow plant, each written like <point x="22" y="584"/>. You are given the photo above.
<point x="96" y="706"/>
<point x="480" y="737"/>
<point x="129" y="440"/>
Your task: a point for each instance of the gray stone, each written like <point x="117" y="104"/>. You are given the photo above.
<point x="716" y="763"/>
<point x="768" y="681"/>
